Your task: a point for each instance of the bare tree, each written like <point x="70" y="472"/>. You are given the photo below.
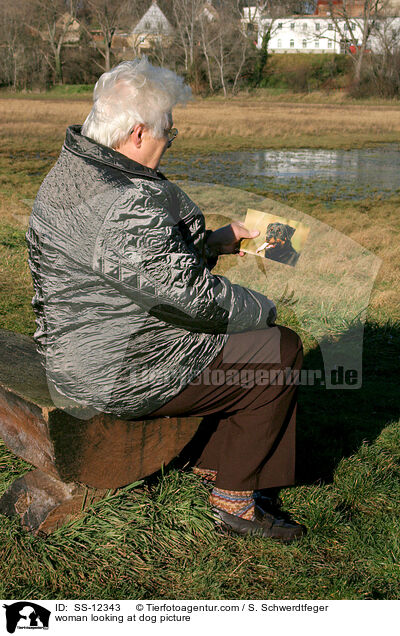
<point x="204" y="42"/>
<point x="12" y="44"/>
<point x="20" y="60"/>
<point x="106" y="16"/>
<point x="225" y="45"/>
<point x="384" y="61"/>
<point x="52" y="22"/>
<point x="355" y="28"/>
<point x="186" y="15"/>
<point x="264" y="14"/>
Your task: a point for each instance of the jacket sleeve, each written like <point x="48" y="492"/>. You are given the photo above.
<point x="143" y="252"/>
<point x="210" y="256"/>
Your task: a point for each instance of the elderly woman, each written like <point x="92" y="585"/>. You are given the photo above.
<point x="130" y="319"/>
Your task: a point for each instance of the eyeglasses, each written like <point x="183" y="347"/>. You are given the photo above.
<point x="171" y="134"/>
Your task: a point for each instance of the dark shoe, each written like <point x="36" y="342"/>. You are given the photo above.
<point x="271" y="503"/>
<point x="264" y="525"/>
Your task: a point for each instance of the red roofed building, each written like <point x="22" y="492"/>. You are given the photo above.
<point x="353" y="8"/>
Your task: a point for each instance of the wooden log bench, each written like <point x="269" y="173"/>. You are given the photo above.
<point x="77" y="461"/>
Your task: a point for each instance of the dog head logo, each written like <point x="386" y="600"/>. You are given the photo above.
<point x="279" y="245"/>
<point x="279" y="233"/>
<point x="26" y="615"/>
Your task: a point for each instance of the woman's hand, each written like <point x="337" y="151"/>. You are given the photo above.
<point x="226" y="240"/>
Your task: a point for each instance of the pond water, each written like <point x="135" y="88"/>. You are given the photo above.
<point x="330" y="174"/>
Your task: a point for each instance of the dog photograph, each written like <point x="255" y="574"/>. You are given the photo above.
<point x="280" y="239"/>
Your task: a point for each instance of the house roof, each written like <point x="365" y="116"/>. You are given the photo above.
<point x="209" y="11"/>
<point x="72" y="24"/>
<point x="352" y="8"/>
<point x="154" y="22"/>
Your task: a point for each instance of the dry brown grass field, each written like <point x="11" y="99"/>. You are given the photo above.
<point x="213" y="125"/>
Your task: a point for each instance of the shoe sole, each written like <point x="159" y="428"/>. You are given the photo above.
<point x="223" y="529"/>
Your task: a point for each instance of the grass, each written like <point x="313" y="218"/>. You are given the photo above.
<point x="209" y="125"/>
<point x="65" y="91"/>
<point x="77" y="92"/>
<point x="155" y="539"/>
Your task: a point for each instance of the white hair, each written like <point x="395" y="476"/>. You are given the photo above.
<point x="134" y="92"/>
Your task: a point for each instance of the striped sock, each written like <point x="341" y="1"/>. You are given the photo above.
<point x="208" y="475"/>
<point x="236" y="502"/>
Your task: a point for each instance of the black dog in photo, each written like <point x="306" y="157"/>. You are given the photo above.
<point x="278" y="245"/>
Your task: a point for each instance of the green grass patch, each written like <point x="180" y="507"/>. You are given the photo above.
<point x="65" y="91"/>
<point x="156" y="540"/>
<point x="321" y="67"/>
<point x="16" y="289"/>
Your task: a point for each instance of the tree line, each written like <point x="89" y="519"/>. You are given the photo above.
<point x="50" y="42"/>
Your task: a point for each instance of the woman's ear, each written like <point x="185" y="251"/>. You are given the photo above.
<point x="136" y="135"/>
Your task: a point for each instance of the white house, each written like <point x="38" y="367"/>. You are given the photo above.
<point x="152" y="28"/>
<point x="315" y="34"/>
<point x="305" y="34"/>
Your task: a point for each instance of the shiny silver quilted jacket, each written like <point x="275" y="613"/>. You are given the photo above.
<point x="127" y="309"/>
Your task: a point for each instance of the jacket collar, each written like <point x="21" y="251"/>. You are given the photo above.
<point x="85" y="147"/>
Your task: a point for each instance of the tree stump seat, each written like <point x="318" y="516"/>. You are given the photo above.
<point x="77" y="461"/>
